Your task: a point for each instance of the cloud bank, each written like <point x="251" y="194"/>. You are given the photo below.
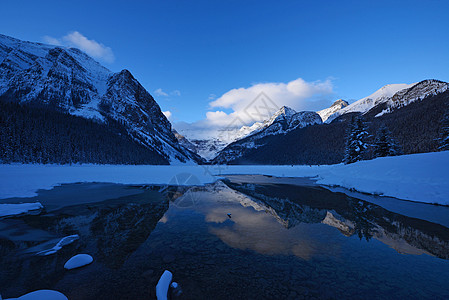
<point x="256" y="103"/>
<point x="247" y="105"/>
<point x="91" y="47"/>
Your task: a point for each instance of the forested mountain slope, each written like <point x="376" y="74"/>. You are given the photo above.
<point x="68" y="80"/>
<point x="416" y="128"/>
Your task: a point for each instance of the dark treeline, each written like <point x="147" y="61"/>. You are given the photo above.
<point x="416" y="128"/>
<point x="37" y="134"/>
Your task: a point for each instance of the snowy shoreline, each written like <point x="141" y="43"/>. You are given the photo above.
<point x="416" y="177"/>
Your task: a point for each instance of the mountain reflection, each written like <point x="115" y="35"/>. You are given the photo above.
<point x="222" y="240"/>
<point x="292" y="206"/>
<point x="109" y="230"/>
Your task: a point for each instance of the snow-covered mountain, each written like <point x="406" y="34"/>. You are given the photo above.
<point x="399" y="107"/>
<point x="71" y="81"/>
<point x="417" y="92"/>
<point x="286" y="119"/>
<point x="283" y="121"/>
<point x="208" y="148"/>
<point x="335" y="107"/>
<point x="363" y="105"/>
<point x="208" y="142"/>
<point x="393" y="96"/>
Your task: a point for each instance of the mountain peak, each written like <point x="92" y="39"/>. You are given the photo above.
<point x="341" y="103"/>
<point x="335" y="107"/>
<point x="69" y="80"/>
<point x="287" y="110"/>
<point x="284" y="111"/>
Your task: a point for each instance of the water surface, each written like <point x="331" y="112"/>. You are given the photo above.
<point x="234" y="239"/>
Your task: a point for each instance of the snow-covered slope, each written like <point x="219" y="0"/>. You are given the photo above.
<point x="283" y="121"/>
<point x="418" y="177"/>
<point x="417" y="92"/>
<point x="286" y="119"/>
<point x="69" y="80"/>
<point x="208" y="148"/>
<point x="393" y="96"/>
<point x="363" y="105"/>
<point x="336" y="106"/>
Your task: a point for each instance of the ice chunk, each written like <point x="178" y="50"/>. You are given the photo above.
<point x="42" y="295"/>
<point x="163" y="284"/>
<point x="63" y="242"/>
<point x="77" y="261"/>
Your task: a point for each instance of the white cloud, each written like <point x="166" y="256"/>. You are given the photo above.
<point x="259" y="102"/>
<point x="91" y="47"/>
<point x="167" y="114"/>
<point x="160" y="92"/>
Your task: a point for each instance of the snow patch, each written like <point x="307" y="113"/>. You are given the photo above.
<point x="42" y="295"/>
<point x="63" y="242"/>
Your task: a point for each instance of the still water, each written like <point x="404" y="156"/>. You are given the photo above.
<point x="234" y="239"/>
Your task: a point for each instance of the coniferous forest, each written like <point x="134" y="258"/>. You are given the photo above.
<point x="38" y="134"/>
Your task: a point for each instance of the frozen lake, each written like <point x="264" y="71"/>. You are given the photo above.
<point x="243" y="238"/>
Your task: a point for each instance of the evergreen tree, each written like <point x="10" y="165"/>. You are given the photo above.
<point x="444" y="133"/>
<point x="355" y="141"/>
<point x="34" y="134"/>
<point x="385" y="145"/>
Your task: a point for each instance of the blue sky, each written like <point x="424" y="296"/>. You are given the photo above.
<point x="198" y="51"/>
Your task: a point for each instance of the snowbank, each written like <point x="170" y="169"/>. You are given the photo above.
<point x="42" y="295"/>
<point x="417" y="177"/>
<point x="163" y="285"/>
<point x="78" y="261"/>
<point x="17" y="180"/>
<point x="18" y="209"/>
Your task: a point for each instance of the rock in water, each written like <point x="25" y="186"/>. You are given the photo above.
<point x="163" y="285"/>
<point x="77" y="261"/>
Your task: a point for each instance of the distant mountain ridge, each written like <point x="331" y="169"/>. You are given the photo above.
<point x="393" y="96"/>
<point x="365" y="104"/>
<point x="70" y="81"/>
<point x="284" y="120"/>
<point x="411" y="111"/>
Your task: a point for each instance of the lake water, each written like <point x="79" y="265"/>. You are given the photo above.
<point x="241" y="238"/>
